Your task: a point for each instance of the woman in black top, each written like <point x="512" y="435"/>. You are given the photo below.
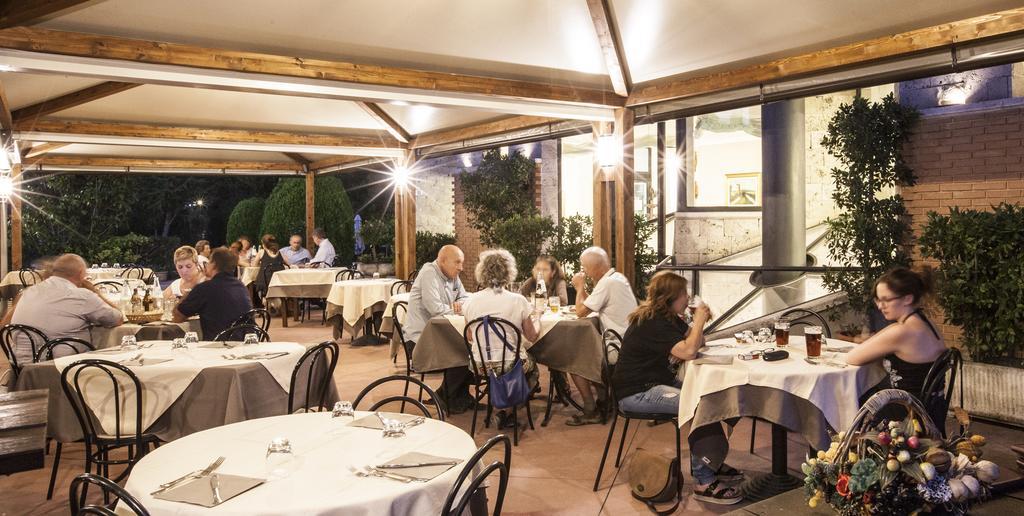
<point x="644" y="382"/>
<point x="269" y="259"/>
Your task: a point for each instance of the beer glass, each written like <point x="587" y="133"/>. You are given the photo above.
<point x="813" y="337"/>
<point x="554" y="303"/>
<point x="781" y="333"/>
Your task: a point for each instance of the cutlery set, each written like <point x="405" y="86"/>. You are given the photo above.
<point x="193" y="475"/>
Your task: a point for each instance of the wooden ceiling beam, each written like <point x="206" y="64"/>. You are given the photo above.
<point x="298" y="158"/>
<point x="886" y="47"/>
<point x="386" y="121"/>
<point x="335" y="161"/>
<point x="481" y="130"/>
<point x="70" y="100"/>
<point x="42" y="148"/>
<point x="611" y="45"/>
<point x="7" y="142"/>
<point x="183" y="164"/>
<point x="133" y="60"/>
<point x="27" y="12"/>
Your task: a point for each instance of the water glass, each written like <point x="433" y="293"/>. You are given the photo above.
<point x="250" y="339"/>
<point x="280" y="460"/>
<point x="781" y="333"/>
<point x="748" y="336"/>
<point x="179" y="343"/>
<point x="343" y="408"/>
<point x="128" y="343"/>
<point x="104" y="265"/>
<point x="93" y="266"/>
<point x="813" y="337"/>
<point x="191" y="338"/>
<point x="393" y="428"/>
<point x="117" y="265"/>
<point x="554" y="303"/>
<point x="376" y="275"/>
<point x="764" y="336"/>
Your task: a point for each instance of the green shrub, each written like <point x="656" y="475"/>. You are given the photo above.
<point x="981" y="277"/>
<point x="497" y="190"/>
<point x="285" y="213"/>
<point x="644" y="257"/>
<point x="245" y="219"/>
<point x="572" y="236"/>
<point x="378" y="237"/>
<point x="121" y="249"/>
<point x="524" y="237"/>
<point x="428" y="244"/>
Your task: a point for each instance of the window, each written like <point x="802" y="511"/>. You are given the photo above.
<point x="577" y="175"/>
<point x="726" y="159"/>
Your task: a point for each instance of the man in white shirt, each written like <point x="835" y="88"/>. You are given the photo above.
<point x="295" y="254"/>
<point x="324" y="250"/>
<point x="64" y="305"/>
<point x="612" y="300"/>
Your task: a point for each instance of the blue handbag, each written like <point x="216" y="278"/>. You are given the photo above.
<point x="511" y="388"/>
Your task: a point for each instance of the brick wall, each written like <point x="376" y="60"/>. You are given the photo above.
<point x="466" y="237"/>
<point x="973" y="158"/>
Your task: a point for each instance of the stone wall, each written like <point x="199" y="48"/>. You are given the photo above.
<point x="968" y="156"/>
<point x="702" y="237"/>
<point x="435" y="201"/>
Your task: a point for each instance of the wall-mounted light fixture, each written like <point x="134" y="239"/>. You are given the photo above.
<point x="952" y="94"/>
<point x="608" y="150"/>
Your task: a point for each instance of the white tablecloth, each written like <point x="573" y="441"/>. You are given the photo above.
<point x="164" y="382"/>
<point x="247" y="275"/>
<point x="289" y="277"/>
<point x="322" y="483"/>
<point x="835" y="391"/>
<point x="356" y="296"/>
<point x="13" y="277"/>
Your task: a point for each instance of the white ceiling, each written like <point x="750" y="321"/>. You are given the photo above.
<point x="418" y="119"/>
<point x="25" y="89"/>
<point x="136" y="151"/>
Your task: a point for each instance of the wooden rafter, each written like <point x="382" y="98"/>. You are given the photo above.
<point x="27" y="12"/>
<point x="70" y="100"/>
<point x="183" y="164"/>
<point x="298" y="158"/>
<point x="389" y="124"/>
<point x="481" y="130"/>
<point x="6" y="123"/>
<point x="335" y="161"/>
<point x="369" y="82"/>
<point x="611" y="45"/>
<point x="930" y="38"/>
<point x="42" y="148"/>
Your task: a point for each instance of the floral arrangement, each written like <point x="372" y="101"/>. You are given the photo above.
<point x="892" y="468"/>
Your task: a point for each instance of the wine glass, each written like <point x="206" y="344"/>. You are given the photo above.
<point x="191" y="338"/>
<point x="128" y="343"/>
<point x="250" y="339"/>
<point x="280" y="460"/>
<point x="343" y="408"/>
<point x="179" y="343"/>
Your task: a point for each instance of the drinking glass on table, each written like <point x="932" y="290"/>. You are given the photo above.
<point x="191" y="337"/>
<point x="280" y="459"/>
<point x="93" y="266"/>
<point x="179" y="343"/>
<point x="813" y="337"/>
<point x="781" y="333"/>
<point x="250" y="339"/>
<point x="554" y="303"/>
<point x="343" y="408"/>
<point x="128" y="343"/>
<point x="104" y="265"/>
<point x="117" y="265"/>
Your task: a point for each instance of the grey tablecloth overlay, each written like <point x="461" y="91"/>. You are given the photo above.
<point x="340" y="325"/>
<point x="780" y="407"/>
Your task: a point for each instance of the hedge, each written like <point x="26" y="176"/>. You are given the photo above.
<point x="245" y="220"/>
<point x="285" y="213"/>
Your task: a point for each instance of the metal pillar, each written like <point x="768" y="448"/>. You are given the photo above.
<point x="783" y="224"/>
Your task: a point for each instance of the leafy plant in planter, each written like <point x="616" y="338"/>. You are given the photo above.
<point x="245" y="220"/>
<point x="378" y="235"/>
<point x="428" y="244"/>
<point x="644" y="257"/>
<point x="981" y="277"/>
<point x="867" y="138"/>
<point x="574" y="234"/>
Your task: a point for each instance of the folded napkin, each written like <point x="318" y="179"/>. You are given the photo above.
<point x="839" y="348"/>
<point x="713" y="359"/>
<point x="372" y="421"/>
<point x="199" y="491"/>
<point x="422" y="472"/>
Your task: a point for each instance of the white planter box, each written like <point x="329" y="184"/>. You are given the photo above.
<point x="385" y="269"/>
<point x="993" y="392"/>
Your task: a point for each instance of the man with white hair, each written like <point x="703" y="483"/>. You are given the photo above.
<point x="64" y="305"/>
<point x="612" y="300"/>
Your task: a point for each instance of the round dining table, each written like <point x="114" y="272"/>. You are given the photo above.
<point x="320" y="481"/>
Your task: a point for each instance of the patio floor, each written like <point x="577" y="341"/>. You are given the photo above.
<point x="552" y="468"/>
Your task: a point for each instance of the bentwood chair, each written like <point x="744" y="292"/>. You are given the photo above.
<point x="113" y="496"/>
<point x="127" y="433"/>
<point x="347" y="274"/>
<point x="258" y="317"/>
<point x="477" y="333"/>
<point x="72" y="345"/>
<point x="132" y="272"/>
<point x="937" y="391"/>
<point x="406" y="380"/>
<point x="110" y="286"/>
<point x="611" y="350"/>
<point x="237" y="333"/>
<point x="474" y="491"/>
<point x="318" y="364"/>
<point x="399" y="287"/>
<point x="398" y="314"/>
<point x="266" y="272"/>
<point x="28" y="277"/>
<point x="11" y="335"/>
<point x="413" y="274"/>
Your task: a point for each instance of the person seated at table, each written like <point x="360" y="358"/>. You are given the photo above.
<point x="909" y="347"/>
<point x="246" y="254"/>
<point x="612" y="300"/>
<point x="203" y="249"/>
<point x="295" y="254"/>
<point x="657" y="336"/>
<point x="438" y="291"/>
<point x="324" y="250"/>
<point x="269" y="257"/>
<point x="44" y="267"/>
<point x="548" y="268"/>
<point x="64" y="305"/>
<point x="186" y="263"/>
<point x="218" y="301"/>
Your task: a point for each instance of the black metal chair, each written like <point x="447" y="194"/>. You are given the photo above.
<point x="110" y="286"/>
<point x="398" y="312"/>
<point x="10" y="334"/>
<point x="467" y="470"/>
<point x="347" y="274"/>
<point x="29" y="276"/>
<point x="937" y="391"/>
<point x="317" y="379"/>
<point x="399" y="287"/>
<point x="132" y="271"/>
<point x="266" y="272"/>
<point x="111" y="491"/>
<point x="431" y="395"/>
<point x="413" y="274"/>
<point x="100" y="441"/>
<point x="73" y="345"/>
<point x="237" y="333"/>
<point x="799" y="317"/>
<point x="511" y="341"/>
<point x="611" y="348"/>
<point x="258" y="317"/>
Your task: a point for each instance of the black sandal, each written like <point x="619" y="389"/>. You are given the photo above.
<point x="723" y="496"/>
<point x="727" y="473"/>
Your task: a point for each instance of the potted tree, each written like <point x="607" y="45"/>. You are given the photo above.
<point x="981" y="290"/>
<point x="378" y="235"/>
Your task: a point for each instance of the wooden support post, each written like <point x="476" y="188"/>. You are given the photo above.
<point x="16" y="258"/>
<point x="622" y="174"/>
<point x="603" y="205"/>
<point x="405" y="226"/>
<point x="310" y="205"/>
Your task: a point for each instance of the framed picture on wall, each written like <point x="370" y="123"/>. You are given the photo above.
<point x="744" y="189"/>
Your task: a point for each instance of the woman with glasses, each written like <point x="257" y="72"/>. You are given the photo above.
<point x="908" y="347"/>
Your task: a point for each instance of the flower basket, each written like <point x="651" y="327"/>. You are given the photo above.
<point x="898" y="467"/>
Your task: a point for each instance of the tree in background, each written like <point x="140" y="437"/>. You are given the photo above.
<point x="428" y="244"/>
<point x="574" y="234"/>
<point x="285" y="212"/>
<point x="245" y="219"/>
<point x="645" y="257"/>
<point x="378" y="237"/>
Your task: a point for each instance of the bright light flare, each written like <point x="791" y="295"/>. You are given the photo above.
<point x="401" y="176"/>
<point x="6" y="187"/>
<point x="952" y="95"/>
<point x="199" y="202"/>
<point x="608" y="150"/>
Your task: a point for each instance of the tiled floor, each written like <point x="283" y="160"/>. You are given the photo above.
<point x="552" y="468"/>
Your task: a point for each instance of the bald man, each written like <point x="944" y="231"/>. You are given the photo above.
<point x="64" y="305"/>
<point x="439" y="291"/>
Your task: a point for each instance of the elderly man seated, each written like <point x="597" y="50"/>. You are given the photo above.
<point x="439" y="291"/>
<point x="325" y="252"/>
<point x="218" y="301"/>
<point x="612" y="300"/>
<point x="63" y="305"/>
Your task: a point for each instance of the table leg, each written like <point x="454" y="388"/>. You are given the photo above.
<point x="767" y="485"/>
<point x="284" y="312"/>
<point x="370" y="337"/>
